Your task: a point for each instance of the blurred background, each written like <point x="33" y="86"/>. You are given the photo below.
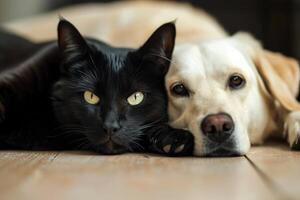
<point x="274" y="22"/>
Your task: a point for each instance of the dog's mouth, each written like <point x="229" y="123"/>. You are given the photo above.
<point x="219" y="135"/>
<point x="221" y="152"/>
<point x="224" y="149"/>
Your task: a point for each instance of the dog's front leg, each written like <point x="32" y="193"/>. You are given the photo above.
<point x="164" y="139"/>
<point x="292" y="129"/>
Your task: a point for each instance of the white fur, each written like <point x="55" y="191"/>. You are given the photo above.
<point x="292" y="128"/>
<point x="205" y="69"/>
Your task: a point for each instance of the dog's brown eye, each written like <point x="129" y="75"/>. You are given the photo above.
<point x="236" y="81"/>
<point x="179" y="89"/>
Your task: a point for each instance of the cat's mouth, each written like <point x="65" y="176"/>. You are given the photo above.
<point x="111" y="145"/>
<point x="110" y="140"/>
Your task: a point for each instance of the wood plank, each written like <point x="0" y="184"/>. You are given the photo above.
<point x="81" y="175"/>
<point x="281" y="166"/>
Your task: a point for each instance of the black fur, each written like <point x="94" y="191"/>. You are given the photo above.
<point x="42" y="103"/>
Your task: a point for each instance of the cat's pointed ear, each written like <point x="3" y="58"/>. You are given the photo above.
<point x="159" y="47"/>
<point x="70" y="41"/>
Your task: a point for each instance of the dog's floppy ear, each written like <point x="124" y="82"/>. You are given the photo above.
<point x="280" y="73"/>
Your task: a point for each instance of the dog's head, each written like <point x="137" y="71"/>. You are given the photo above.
<point x="226" y="92"/>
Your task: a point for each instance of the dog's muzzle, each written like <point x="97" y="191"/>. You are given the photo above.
<point x="217" y="129"/>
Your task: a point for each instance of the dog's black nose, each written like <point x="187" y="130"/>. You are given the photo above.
<point x="217" y="127"/>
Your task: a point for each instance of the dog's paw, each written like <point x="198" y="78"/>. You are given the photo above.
<point x="173" y="142"/>
<point x="292" y="130"/>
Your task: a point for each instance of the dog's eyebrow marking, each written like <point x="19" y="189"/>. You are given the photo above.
<point x="237" y="70"/>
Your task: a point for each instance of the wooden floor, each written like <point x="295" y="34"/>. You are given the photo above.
<point x="267" y="172"/>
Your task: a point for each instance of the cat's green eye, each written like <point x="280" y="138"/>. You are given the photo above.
<point x="91" y="98"/>
<point x="136" y="98"/>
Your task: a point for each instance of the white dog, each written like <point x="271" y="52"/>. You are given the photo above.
<point x="230" y="93"/>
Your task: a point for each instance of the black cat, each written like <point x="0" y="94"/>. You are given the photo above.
<point x="85" y="94"/>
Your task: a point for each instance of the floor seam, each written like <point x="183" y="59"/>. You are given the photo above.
<point x="278" y="192"/>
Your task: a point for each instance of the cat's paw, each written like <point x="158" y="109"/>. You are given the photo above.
<point x="173" y="142"/>
<point x="292" y="130"/>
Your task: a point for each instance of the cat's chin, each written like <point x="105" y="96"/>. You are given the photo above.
<point x="110" y="148"/>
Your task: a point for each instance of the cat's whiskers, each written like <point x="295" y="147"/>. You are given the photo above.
<point x="151" y="124"/>
<point x="71" y="127"/>
<point x="69" y="130"/>
<point x="65" y="133"/>
<point x="136" y="145"/>
<point x="155" y="122"/>
<point x="136" y="134"/>
<point x="85" y="145"/>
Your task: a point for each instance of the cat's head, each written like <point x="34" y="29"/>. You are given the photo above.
<point x="108" y="96"/>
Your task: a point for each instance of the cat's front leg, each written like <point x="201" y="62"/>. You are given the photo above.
<point x="164" y="139"/>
